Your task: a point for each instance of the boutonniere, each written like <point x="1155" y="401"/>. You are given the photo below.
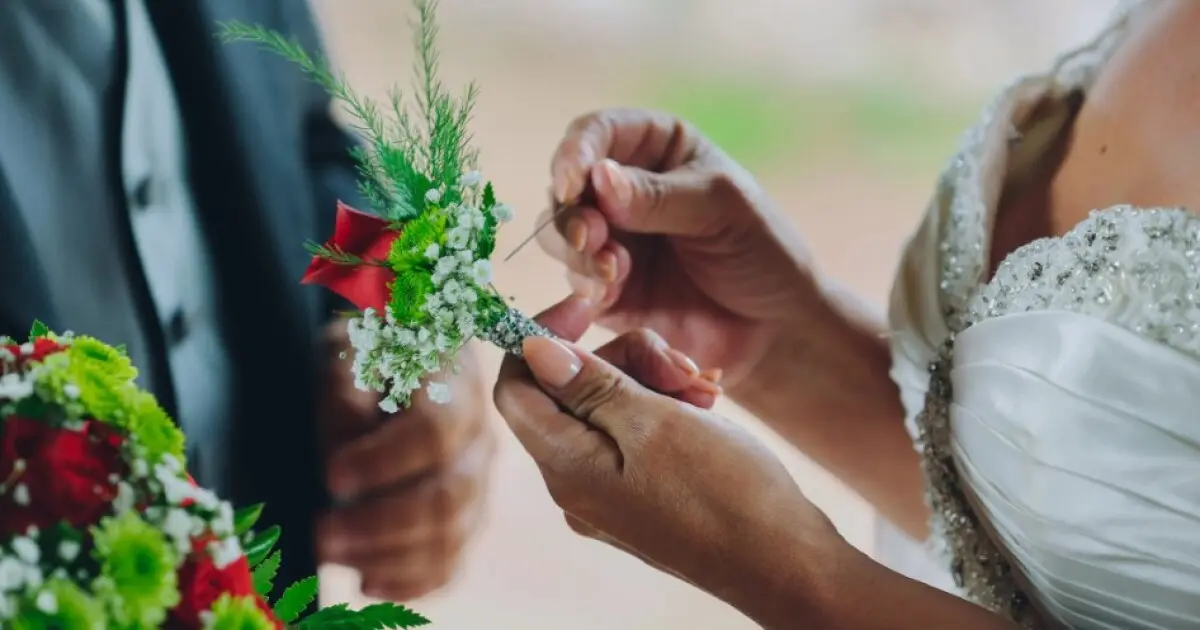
<point x="417" y="262"/>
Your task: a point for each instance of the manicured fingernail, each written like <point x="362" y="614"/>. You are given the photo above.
<point x="606" y="266"/>
<point x="552" y="363"/>
<point x="707" y="386"/>
<point x="610" y="179"/>
<point x="712" y="375"/>
<point x="577" y="234"/>
<point x="683" y="361"/>
<point x="559" y="184"/>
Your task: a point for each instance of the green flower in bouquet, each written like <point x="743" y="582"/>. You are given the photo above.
<point x="237" y="613"/>
<point x="137" y="570"/>
<point x="61" y="605"/>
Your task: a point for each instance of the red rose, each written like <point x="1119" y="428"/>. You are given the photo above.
<point x="66" y="474"/>
<point x="42" y="347"/>
<point x="365" y="236"/>
<point x="201" y="584"/>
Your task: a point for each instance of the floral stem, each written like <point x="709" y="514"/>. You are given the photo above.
<point x="511" y="330"/>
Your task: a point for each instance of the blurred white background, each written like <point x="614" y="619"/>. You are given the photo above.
<point x="845" y="109"/>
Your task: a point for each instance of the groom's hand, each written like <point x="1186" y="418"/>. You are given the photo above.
<point x="408" y="488"/>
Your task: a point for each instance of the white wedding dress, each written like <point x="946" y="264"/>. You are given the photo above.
<point x="1056" y="406"/>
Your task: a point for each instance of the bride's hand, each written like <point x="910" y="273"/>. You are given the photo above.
<point x="667" y="232"/>
<point x="669" y="482"/>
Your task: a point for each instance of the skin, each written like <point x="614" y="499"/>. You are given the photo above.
<point x="409" y="489"/>
<point x="659" y="230"/>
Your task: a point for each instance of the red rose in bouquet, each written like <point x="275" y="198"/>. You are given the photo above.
<point x="58" y="474"/>
<point x="201" y="584"/>
<point x="39" y="349"/>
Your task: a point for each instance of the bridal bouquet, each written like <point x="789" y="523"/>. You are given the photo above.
<point x="102" y="528"/>
<point x="418" y="265"/>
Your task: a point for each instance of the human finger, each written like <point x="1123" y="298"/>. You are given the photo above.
<point x="643" y="138"/>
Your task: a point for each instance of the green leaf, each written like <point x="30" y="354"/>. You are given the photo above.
<point x="264" y="574"/>
<point x="260" y="546"/>
<point x="489" y="196"/>
<point x="38" y="330"/>
<point x="245" y="518"/>
<point x="374" y="617"/>
<point x="296" y="598"/>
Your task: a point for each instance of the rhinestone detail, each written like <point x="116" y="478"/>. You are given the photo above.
<point x="1081" y="271"/>
<point x="511" y="330"/>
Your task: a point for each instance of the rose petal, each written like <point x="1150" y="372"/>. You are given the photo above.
<point x="368" y="237"/>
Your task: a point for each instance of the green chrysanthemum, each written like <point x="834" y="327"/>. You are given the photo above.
<point x="237" y="613"/>
<point x="137" y="571"/>
<point x="151" y="427"/>
<point x="409" y="292"/>
<point x="409" y="248"/>
<point x="103" y="376"/>
<point x="61" y="605"/>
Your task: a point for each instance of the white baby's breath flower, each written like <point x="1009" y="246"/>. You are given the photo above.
<point x="20" y="494"/>
<point x="432" y="251"/>
<point x="459" y="237"/>
<point x="68" y="550"/>
<point x="439" y="393"/>
<point x="12" y="574"/>
<point x="125" y="498"/>
<point x="225" y="552"/>
<point x="451" y="292"/>
<point x="446" y="265"/>
<point x="470" y="217"/>
<point x="433" y="196"/>
<point x="389" y="405"/>
<point x="470" y="179"/>
<point x="26" y="549"/>
<point x="47" y="603"/>
<point x="481" y="272"/>
<point x="16" y="386"/>
<point x="503" y="212"/>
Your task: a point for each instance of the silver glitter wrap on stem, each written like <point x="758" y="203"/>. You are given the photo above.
<point x="512" y="329"/>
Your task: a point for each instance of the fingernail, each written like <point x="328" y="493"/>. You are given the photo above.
<point x="712" y="375"/>
<point x="577" y="234"/>
<point x="708" y="386"/>
<point x="562" y="187"/>
<point x="610" y="179"/>
<point x="552" y="363"/>
<point x="606" y="265"/>
<point x="683" y="361"/>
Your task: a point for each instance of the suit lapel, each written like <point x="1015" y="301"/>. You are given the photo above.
<point x="23" y="295"/>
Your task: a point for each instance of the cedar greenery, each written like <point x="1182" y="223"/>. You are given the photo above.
<point x="408" y="153"/>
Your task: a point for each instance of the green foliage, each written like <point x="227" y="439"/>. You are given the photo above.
<point x="38" y="330"/>
<point x="296" y="599"/>
<point x="374" y="617"/>
<point x="264" y="574"/>
<point x="245" y="518"/>
<point x="409" y="292"/>
<point x="413" y="149"/>
<point x="487" y="237"/>
<point x="260" y="546"/>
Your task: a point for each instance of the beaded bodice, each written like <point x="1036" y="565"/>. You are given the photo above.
<point x="1136" y="270"/>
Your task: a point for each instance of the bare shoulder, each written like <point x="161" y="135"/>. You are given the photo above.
<point x="1137" y="136"/>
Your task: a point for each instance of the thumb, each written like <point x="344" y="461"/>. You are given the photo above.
<point x="680" y="202"/>
<point x="587" y="387"/>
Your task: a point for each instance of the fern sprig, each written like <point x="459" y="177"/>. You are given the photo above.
<point x="402" y="159"/>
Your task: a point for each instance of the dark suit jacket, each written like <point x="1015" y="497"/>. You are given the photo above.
<point x="267" y="165"/>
